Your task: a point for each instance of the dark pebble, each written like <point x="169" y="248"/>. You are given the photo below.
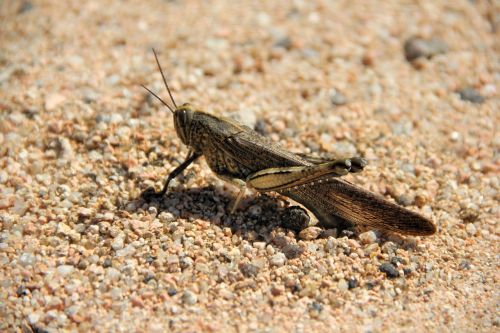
<point x="352" y="283"/>
<point x="249" y="270"/>
<point x="471" y="95"/>
<point x="407" y="271"/>
<point x="107" y="263"/>
<point x="295" y="218"/>
<point x="150" y="259"/>
<point x="21" y="291"/>
<point x="417" y="47"/>
<point x="171" y="291"/>
<point x="464" y="264"/>
<point x="83" y="264"/>
<point x="389" y="270"/>
<point x="397" y="260"/>
<point x="26" y="6"/>
<point x="316" y="306"/>
<point x="292" y="251"/>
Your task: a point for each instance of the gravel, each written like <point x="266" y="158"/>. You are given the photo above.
<point x="80" y="140"/>
<point x="389" y="270"/>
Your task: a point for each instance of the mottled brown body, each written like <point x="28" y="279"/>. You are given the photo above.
<point x="237" y="153"/>
<point x="233" y="150"/>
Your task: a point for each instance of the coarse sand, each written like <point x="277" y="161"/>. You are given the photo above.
<point x="412" y="86"/>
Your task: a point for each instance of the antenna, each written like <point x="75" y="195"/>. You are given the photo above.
<point x="164" y="79"/>
<point x="155" y="95"/>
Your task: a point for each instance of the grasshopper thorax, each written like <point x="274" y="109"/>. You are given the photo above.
<point x="183" y="118"/>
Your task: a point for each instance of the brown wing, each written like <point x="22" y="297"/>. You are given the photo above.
<point x="258" y="153"/>
<point x="336" y="197"/>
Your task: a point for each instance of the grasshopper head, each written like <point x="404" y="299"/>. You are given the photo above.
<point x="183" y="117"/>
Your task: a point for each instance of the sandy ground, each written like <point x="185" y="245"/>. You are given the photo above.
<point x="80" y="140"/>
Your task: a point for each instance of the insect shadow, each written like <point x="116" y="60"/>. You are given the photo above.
<point x="258" y="216"/>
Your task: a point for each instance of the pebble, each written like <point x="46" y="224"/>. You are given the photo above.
<point x="344" y="148"/>
<point x="189" y="298"/>
<point x="292" y="251"/>
<point x="343" y="285"/>
<point x="337" y="98"/>
<point x="249" y="270"/>
<point x="310" y="233"/>
<point x="417" y="47"/>
<point x="406" y="199"/>
<point x="353" y="283"/>
<point x="118" y="243"/>
<point x="27" y="259"/>
<point x="471" y="229"/>
<point x="284" y="42"/>
<point x="368" y="237"/>
<point x="471" y="95"/>
<point x="65" y="270"/>
<point x="389" y="270"/>
<point x="113" y="274"/>
<point x="278" y="259"/>
<point x="52" y="101"/>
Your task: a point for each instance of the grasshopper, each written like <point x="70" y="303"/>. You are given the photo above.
<point x="238" y="154"/>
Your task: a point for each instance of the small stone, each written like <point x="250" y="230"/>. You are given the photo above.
<point x="352" y="282"/>
<point x="52" y="101"/>
<point x="27" y="259"/>
<point x="344" y="148"/>
<point x="171" y="291"/>
<point x="189" y="298"/>
<point x="284" y="42"/>
<point x="278" y="260"/>
<point x="126" y="251"/>
<point x="471" y="229"/>
<point x="246" y="117"/>
<point x="406" y="199"/>
<point x="186" y="262"/>
<point x="65" y="270"/>
<point x="118" y="243"/>
<point x="21" y="291"/>
<point x="26" y="6"/>
<point x="337" y="98"/>
<point x="465" y="264"/>
<point x="107" y="263"/>
<point x="113" y="274"/>
<point x="389" y="270"/>
<point x="33" y="318"/>
<point x="292" y="251"/>
<point x="471" y="95"/>
<point x="368" y="237"/>
<point x="277" y="290"/>
<point x="417" y="47"/>
<point x="343" y="285"/>
<point x="249" y="270"/>
<point x="310" y="233"/>
<point x="85" y="212"/>
<point x="65" y="230"/>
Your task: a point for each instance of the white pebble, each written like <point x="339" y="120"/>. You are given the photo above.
<point x="65" y="270"/>
<point x="368" y="237"/>
<point x="343" y="285"/>
<point x="471" y="229"/>
<point x="278" y="259"/>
